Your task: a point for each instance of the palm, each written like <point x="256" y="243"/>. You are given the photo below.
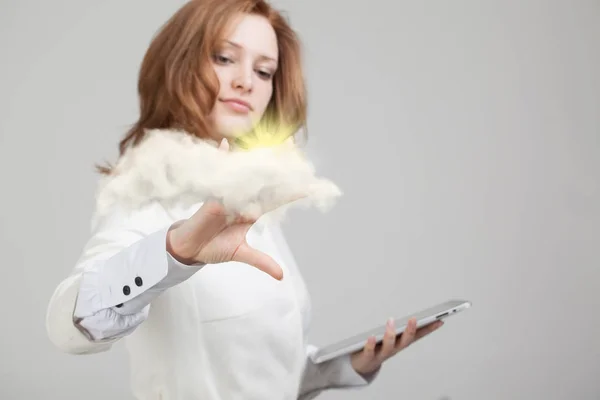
<point x="212" y="239"/>
<point x="224" y="246"/>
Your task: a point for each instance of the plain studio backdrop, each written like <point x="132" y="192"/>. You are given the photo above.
<point x="464" y="134"/>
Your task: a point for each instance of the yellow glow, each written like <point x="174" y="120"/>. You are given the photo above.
<point x="264" y="135"/>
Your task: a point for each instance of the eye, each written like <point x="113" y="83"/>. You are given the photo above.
<point x="221" y="59"/>
<point x="266" y="75"/>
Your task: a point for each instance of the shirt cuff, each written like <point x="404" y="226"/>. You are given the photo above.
<point x="131" y="278"/>
<point x="346" y="376"/>
<point x="337" y="373"/>
<point x="177" y="273"/>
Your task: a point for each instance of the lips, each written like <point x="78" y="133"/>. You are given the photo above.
<point x="237" y="105"/>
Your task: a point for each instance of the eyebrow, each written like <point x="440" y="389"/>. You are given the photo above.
<point x="261" y="55"/>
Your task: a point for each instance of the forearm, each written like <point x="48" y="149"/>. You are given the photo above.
<point x="106" y="299"/>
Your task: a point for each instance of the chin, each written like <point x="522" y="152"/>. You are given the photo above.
<point x="233" y="128"/>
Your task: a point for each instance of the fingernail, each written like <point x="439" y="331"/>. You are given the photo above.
<point x="390" y="322"/>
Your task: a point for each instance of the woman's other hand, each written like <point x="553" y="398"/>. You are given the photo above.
<point x="370" y="358"/>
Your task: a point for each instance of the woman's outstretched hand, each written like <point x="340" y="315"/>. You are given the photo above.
<point x="213" y="236"/>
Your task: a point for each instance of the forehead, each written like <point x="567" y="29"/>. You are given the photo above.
<point x="254" y="34"/>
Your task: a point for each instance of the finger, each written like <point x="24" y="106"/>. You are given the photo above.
<point x="224" y="145"/>
<point x="389" y="340"/>
<point x="240" y="219"/>
<point x="274" y="206"/>
<point x="202" y="226"/>
<point x="258" y="259"/>
<point x="369" y="350"/>
<point x="408" y="336"/>
<point x="426" y="330"/>
<point x="211" y="209"/>
<point x="214" y="211"/>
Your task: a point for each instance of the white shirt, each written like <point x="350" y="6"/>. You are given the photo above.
<point x="221" y="332"/>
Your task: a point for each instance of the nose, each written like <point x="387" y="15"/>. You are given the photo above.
<point x="243" y="78"/>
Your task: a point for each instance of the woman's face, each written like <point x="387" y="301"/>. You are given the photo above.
<point x="245" y="64"/>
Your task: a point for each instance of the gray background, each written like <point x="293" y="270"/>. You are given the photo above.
<point x="465" y="135"/>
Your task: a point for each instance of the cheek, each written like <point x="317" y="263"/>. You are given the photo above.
<point x="223" y="75"/>
<point x="264" y="95"/>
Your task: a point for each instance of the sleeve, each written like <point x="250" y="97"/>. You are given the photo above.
<point x="333" y="374"/>
<point x="124" y="266"/>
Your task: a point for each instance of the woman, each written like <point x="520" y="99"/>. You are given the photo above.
<point x="208" y="299"/>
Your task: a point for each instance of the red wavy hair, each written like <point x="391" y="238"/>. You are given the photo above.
<point x="177" y="86"/>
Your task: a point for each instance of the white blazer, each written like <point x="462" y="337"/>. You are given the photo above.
<point x="220" y="332"/>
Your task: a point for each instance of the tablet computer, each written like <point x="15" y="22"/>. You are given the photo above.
<point x="358" y="342"/>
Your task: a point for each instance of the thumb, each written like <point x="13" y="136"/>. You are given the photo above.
<point x="258" y="259"/>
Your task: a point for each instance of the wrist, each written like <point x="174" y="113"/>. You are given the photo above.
<point x="174" y="247"/>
